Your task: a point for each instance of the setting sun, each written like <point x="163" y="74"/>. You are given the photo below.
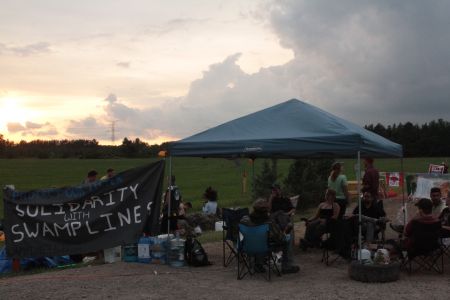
<point x="12" y="111"/>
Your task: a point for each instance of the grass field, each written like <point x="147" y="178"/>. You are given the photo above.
<point x="193" y="174"/>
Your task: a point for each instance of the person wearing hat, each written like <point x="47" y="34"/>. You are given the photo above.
<point x="261" y="215"/>
<point x="338" y="182"/>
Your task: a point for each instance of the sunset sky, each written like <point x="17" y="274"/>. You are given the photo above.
<point x="164" y="70"/>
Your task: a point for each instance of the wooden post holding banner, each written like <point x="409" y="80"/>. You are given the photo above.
<point x="436" y="169"/>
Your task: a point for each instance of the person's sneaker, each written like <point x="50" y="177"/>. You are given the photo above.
<point x="290" y="270"/>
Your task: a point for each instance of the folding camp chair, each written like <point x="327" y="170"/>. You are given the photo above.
<point x="426" y="253"/>
<point x="254" y="250"/>
<point x="231" y="219"/>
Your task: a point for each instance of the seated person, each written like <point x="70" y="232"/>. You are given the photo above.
<point x="260" y="215"/>
<point x="327" y="212"/>
<point x="437" y="207"/>
<point x="424" y="216"/>
<point x="210" y="206"/>
<point x="445" y="218"/>
<point x="372" y="216"/>
<point x="183" y="223"/>
<point x="281" y="208"/>
<point x="436" y="199"/>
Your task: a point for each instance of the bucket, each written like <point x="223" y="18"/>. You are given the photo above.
<point x="112" y="255"/>
<point x="130" y="253"/>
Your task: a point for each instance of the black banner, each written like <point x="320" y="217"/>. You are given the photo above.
<point x="84" y="218"/>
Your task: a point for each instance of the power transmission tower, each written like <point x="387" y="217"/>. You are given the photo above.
<point x="113" y="131"/>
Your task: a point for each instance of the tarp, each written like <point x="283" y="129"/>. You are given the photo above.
<point x="292" y="129"/>
<point x="84" y="218"/>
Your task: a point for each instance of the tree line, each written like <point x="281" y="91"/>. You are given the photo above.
<point x="428" y="140"/>
<point x="77" y="149"/>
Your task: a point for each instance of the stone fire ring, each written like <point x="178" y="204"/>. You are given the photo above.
<point x="374" y="273"/>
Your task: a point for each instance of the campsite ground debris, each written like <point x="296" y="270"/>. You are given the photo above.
<point x="142" y="281"/>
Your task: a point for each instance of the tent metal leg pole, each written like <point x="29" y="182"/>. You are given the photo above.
<point x="403" y="189"/>
<point x="358" y="178"/>
<point x="169" y="209"/>
<point x="253" y="175"/>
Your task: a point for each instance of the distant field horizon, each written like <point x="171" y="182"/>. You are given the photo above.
<point x="193" y="175"/>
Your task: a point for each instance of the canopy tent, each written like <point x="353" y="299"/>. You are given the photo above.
<point x="287" y="130"/>
<point x="292" y="129"/>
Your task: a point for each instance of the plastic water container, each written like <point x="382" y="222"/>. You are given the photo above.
<point x="112" y="255"/>
<point x="176" y="253"/>
<point x="219" y="226"/>
<point x="130" y="253"/>
<point x="158" y="250"/>
<point x="144" y="250"/>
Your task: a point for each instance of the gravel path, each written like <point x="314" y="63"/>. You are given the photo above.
<point x="141" y="281"/>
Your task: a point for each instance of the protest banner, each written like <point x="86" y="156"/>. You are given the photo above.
<point x="425" y="182"/>
<point x="84" y="218"/>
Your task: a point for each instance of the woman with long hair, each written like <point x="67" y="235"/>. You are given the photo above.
<point x="327" y="212"/>
<point x="338" y="182"/>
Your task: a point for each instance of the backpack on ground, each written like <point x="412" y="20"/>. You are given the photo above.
<point x="194" y="253"/>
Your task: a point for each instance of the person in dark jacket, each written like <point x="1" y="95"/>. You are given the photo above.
<point x="372" y="216"/>
<point x="260" y="215"/>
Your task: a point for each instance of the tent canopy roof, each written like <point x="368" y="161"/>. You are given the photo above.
<point x="291" y="129"/>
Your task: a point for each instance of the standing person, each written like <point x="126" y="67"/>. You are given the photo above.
<point x="338" y="182"/>
<point x="172" y="196"/>
<point x="371" y="181"/>
<point x="109" y="174"/>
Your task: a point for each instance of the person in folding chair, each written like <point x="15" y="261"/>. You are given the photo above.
<point x="277" y="238"/>
<point x="445" y="222"/>
<point x="422" y="235"/>
<point x="373" y="218"/>
<point x="327" y="213"/>
<point x="445" y="218"/>
<point x="230" y="231"/>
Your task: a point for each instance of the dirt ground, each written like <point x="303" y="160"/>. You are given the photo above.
<point x="143" y="281"/>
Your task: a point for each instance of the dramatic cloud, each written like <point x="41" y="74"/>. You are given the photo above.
<point x="46" y="130"/>
<point x="89" y="128"/>
<point x="123" y="64"/>
<point x="27" y="50"/>
<point x="370" y="61"/>
<point x="15" y="127"/>
<point x="31" y="125"/>
<point x="366" y="61"/>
